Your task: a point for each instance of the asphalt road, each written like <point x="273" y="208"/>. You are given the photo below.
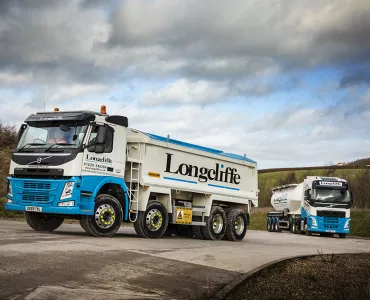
<point x="68" y="264"/>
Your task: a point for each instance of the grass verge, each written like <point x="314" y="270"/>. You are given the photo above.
<point x="360" y="221"/>
<point x="339" y="276"/>
<point x="6" y="214"/>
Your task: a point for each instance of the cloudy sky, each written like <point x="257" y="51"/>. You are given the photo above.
<point x="286" y="82"/>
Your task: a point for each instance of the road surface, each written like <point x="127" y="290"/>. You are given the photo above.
<point x="68" y="264"/>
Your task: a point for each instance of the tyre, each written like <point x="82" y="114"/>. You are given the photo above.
<point x="294" y="226"/>
<point x="42" y="222"/>
<point x="82" y="224"/>
<point x="308" y="233"/>
<point x="153" y="222"/>
<point x="268" y="225"/>
<point x="184" y="230"/>
<point x="342" y="235"/>
<point x="291" y="226"/>
<point x="216" y="224"/>
<point x="198" y="232"/>
<point x="299" y="231"/>
<point x="107" y="217"/>
<point x="273" y="224"/>
<point x="236" y="225"/>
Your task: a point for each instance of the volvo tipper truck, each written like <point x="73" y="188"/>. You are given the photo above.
<point x="316" y="205"/>
<point x="91" y="167"/>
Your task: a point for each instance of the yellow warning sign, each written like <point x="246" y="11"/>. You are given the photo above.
<point x="184" y="215"/>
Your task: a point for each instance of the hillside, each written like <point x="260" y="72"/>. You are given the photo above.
<point x="358" y="179"/>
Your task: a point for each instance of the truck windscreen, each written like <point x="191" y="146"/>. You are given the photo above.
<point x="331" y="196"/>
<point x="42" y="136"/>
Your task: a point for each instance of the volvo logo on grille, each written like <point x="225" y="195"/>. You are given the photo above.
<point x="39" y="160"/>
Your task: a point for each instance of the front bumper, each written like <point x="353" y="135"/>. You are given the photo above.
<point x="45" y="194"/>
<point x="329" y="225"/>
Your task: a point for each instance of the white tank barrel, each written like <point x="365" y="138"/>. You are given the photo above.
<point x="287" y="197"/>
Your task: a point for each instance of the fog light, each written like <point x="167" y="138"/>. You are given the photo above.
<point x="66" y="203"/>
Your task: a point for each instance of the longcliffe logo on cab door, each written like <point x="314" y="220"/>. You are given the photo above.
<point x="230" y="175"/>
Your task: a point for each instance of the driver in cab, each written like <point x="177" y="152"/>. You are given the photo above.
<point x="57" y="137"/>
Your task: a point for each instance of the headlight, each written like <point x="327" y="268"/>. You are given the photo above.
<point x="66" y="203"/>
<point x="313" y="220"/>
<point x="9" y="188"/>
<point x="346" y="225"/>
<point x="67" y="191"/>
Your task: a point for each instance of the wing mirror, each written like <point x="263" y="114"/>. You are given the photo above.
<point x="102" y="135"/>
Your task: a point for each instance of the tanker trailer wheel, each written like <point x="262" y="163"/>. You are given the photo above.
<point x="42" y="222"/>
<point x="294" y="225"/>
<point x="153" y="222"/>
<point x="216" y="224"/>
<point x="268" y="225"/>
<point x="236" y="225"/>
<point x="107" y="217"/>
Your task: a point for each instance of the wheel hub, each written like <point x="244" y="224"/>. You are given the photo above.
<point x="154" y="220"/>
<point x="105" y="216"/>
<point x="218" y="223"/>
<point x="239" y="225"/>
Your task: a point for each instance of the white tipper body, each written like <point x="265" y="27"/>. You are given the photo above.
<point x="153" y="157"/>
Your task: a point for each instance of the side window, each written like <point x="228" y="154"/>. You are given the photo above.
<point x="107" y="147"/>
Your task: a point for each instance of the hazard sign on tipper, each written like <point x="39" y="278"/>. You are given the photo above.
<point x="184" y="215"/>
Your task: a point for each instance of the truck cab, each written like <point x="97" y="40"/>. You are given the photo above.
<point x="316" y="205"/>
<point x="63" y="160"/>
<point x="326" y="205"/>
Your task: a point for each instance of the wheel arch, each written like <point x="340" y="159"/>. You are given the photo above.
<point x="117" y="188"/>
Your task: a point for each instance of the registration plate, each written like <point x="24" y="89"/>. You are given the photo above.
<point x="332" y="231"/>
<point x="34" y="208"/>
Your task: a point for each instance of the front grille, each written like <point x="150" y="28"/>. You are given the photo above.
<point x="36" y="185"/>
<point x="330" y="222"/>
<point x="35" y="198"/>
<point x="331" y="213"/>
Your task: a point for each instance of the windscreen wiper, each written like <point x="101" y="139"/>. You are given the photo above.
<point x="58" y="144"/>
<point x="29" y="145"/>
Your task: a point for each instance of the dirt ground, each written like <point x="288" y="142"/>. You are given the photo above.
<point x="341" y="276"/>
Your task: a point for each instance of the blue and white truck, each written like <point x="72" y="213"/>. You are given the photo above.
<point x="91" y="167"/>
<point x="317" y="205"/>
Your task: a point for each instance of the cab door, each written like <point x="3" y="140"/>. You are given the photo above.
<point x="99" y="158"/>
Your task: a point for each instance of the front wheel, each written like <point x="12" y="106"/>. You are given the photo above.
<point x="107" y="217"/>
<point x="42" y="222"/>
<point x="153" y="222"/>
<point x="236" y="225"/>
<point x="342" y="235"/>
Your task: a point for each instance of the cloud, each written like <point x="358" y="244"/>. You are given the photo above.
<point x="187" y="92"/>
<point x="355" y="79"/>
<point x="8" y="78"/>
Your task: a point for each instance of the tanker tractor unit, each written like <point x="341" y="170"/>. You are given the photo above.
<point x="317" y="205"/>
<point x="92" y="167"/>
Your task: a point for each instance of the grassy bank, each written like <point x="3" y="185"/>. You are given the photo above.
<point x="360" y="221"/>
<point x="342" y="276"/>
